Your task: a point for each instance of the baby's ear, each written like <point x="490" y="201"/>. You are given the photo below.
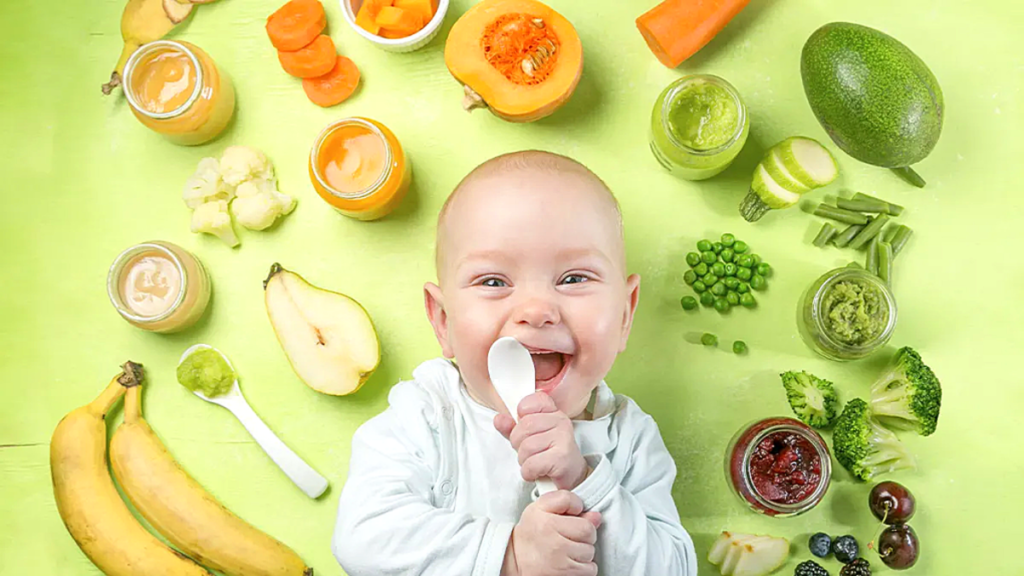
<point x="632" y="300"/>
<point x="433" y="299"/>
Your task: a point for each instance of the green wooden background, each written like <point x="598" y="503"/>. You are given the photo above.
<point x="82" y="179"/>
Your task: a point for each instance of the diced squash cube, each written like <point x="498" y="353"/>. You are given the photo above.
<point x="424" y="8"/>
<point x="366" y="18"/>
<point x="399" y="21"/>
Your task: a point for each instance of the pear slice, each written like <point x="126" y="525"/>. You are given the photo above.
<point x="761" y="557"/>
<point x="176" y="11"/>
<point x="328" y="337"/>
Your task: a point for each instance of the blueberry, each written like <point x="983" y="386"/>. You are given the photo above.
<point x="820" y="545"/>
<point x="845" y="548"/>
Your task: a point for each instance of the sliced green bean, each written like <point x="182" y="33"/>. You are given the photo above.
<point x="885" y="262"/>
<point x="840" y="215"/>
<point x="827" y="232"/>
<point x="900" y="239"/>
<point x="890" y="233"/>
<point x="869" y="232"/>
<point x="863" y="205"/>
<point x="871" y="260"/>
<point x="844" y="237"/>
<point x="894" y="209"/>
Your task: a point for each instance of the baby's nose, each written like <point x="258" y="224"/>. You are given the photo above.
<point x="536" y="312"/>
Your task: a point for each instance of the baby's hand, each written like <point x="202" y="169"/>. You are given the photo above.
<point x="554" y="536"/>
<point x="545" y="442"/>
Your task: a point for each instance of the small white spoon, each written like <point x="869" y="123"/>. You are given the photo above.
<point x="513" y="376"/>
<point x="302" y="474"/>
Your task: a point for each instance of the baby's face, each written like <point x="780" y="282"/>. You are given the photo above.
<point x="539" y="257"/>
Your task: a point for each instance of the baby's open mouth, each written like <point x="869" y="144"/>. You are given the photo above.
<point x="549" y="367"/>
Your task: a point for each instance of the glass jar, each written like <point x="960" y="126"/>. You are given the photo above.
<point x="686" y="157"/>
<point x="175" y="89"/>
<point x="158" y="286"/>
<point x="338" y="157"/>
<point x="819" y="321"/>
<point x="751" y="464"/>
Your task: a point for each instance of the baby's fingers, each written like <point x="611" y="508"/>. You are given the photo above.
<point x="504" y="424"/>
<point x="579" y="530"/>
<point x="593" y="517"/>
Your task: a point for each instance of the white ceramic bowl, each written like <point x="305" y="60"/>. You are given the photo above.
<point x="407" y="44"/>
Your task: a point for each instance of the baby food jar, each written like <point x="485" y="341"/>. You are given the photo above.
<point x="358" y="166"/>
<point x="175" y="89"/>
<point x="778" y="466"/>
<point x="698" y="126"/>
<point x="847" y="314"/>
<point x="158" y="286"/>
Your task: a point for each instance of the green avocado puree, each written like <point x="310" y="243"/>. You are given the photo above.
<point x="206" y="371"/>
<point x="855" y="312"/>
<point x="703" y="116"/>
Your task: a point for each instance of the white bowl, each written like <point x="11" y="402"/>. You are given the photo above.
<point x="407" y="44"/>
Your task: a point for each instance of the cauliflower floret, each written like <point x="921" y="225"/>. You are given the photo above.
<point x="241" y="163"/>
<point x="214" y="218"/>
<point x="205" y="184"/>
<point x="257" y="204"/>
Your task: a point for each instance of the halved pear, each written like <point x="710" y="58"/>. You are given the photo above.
<point x="328" y="337"/>
<point x="761" y="557"/>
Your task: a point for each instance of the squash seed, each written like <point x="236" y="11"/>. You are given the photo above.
<point x="528" y="67"/>
<point x="538" y="22"/>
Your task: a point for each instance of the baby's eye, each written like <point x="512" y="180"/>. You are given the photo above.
<point x="575" y="279"/>
<point x="494" y="283"/>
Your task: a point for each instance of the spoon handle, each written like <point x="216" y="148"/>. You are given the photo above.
<point x="544" y="486"/>
<point x="302" y="474"/>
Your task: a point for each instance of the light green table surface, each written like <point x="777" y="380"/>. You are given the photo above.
<point x="82" y="180"/>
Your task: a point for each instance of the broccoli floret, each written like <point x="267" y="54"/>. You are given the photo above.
<point x="865" y="447"/>
<point x="813" y="399"/>
<point x="908" y="395"/>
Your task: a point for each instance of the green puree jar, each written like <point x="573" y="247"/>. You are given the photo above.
<point x="698" y="126"/>
<point x="847" y="314"/>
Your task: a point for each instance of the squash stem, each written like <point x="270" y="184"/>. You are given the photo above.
<point x="752" y="207"/>
<point x="909" y="175"/>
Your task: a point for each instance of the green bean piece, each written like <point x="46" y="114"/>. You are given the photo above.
<point x="739" y="247"/>
<point x="721" y="304"/>
<point x="709" y="257"/>
<point x="894" y="209"/>
<point x="745" y="261"/>
<point x="730" y="269"/>
<point x="844" y="237"/>
<point x="764" y="269"/>
<point x="709" y="279"/>
<point x="727" y="254"/>
<point x="692" y="259"/>
<point x="743" y="288"/>
<point x="728" y="240"/>
<point x="707" y="299"/>
<point x="733" y="298"/>
<point x="744" y="273"/>
<point x="900" y="239"/>
<point x="889" y="233"/>
<point x="719" y="289"/>
<point x="704" y="245"/>
<point x="689" y="277"/>
<point x="863" y="205"/>
<point x="827" y="232"/>
<point x="688" y="302"/>
<point x="869" y="232"/>
<point x="699" y="286"/>
<point x="885" y="262"/>
<point x="840" y="215"/>
<point x="701" y="269"/>
<point x="717" y="247"/>
<point x="709" y="339"/>
<point x="871" y="259"/>
<point x="739" y="347"/>
<point x="748" y="300"/>
<point x="757" y="282"/>
<point x="731" y="282"/>
<point x="718" y="269"/>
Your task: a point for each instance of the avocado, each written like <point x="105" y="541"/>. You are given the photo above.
<point x="874" y="97"/>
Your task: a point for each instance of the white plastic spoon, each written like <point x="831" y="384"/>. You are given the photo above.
<point x="302" y="474"/>
<point x="513" y="376"/>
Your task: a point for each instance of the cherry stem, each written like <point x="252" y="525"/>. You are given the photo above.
<point x="881" y="527"/>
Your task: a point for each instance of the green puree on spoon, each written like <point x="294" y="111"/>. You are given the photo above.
<point x="206" y="371"/>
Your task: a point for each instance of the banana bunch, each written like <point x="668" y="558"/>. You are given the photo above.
<point x="173" y="503"/>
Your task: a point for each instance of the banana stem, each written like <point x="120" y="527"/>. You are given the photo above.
<point x="106" y="400"/>
<point x="133" y="405"/>
<point x="909" y="176"/>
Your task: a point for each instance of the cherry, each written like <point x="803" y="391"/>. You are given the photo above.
<point x="891" y="503"/>
<point x="897" y="546"/>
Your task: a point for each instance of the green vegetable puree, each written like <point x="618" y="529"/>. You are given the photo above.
<point x="703" y="116"/>
<point x="855" y="312"/>
<point x="206" y="371"/>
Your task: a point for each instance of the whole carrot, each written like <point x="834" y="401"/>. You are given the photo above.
<point x="677" y="29"/>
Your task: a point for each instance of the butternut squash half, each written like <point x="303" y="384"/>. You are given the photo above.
<point x="519" y="58"/>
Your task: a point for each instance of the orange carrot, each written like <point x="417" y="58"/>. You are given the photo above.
<point x="677" y="29"/>
<point x="314" y="60"/>
<point x="334" y="87"/>
<point x="424" y="8"/>
<point x="296" y="24"/>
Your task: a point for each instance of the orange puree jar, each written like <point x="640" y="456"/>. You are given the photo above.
<point x="175" y="88"/>
<point x="358" y="166"/>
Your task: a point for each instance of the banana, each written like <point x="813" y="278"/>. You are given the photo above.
<point x="186" y="514"/>
<point x="142" y="21"/>
<point x="93" y="512"/>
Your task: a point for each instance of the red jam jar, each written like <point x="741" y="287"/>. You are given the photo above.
<point x="778" y="466"/>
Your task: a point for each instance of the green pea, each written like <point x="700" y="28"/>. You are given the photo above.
<point x="757" y="282"/>
<point x="732" y="298"/>
<point x="688" y="302"/>
<point x="718" y="289"/>
<point x="689" y="277"/>
<point x="699" y="286"/>
<point x="743" y="288"/>
<point x="721" y="304"/>
<point x="740" y="247"/>
<point x="692" y="259"/>
<point x="709" y="339"/>
<point x="743" y="273"/>
<point x="754" y="260"/>
<point x="717" y="247"/>
<point x="704" y="245"/>
<point x="730" y="269"/>
<point x="718" y="269"/>
<point x="731" y="282"/>
<point x="739" y="347"/>
<point x="727" y="254"/>
<point x="746" y="300"/>
<point x="709" y="279"/>
<point x="701" y="269"/>
<point x="707" y="299"/>
<point x="764" y="269"/>
<point x="728" y="239"/>
<point x="709" y="257"/>
<point x="745" y="261"/>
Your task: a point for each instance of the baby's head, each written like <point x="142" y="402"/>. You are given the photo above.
<point x="530" y="245"/>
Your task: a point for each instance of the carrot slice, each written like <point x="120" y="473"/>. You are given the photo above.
<point x="296" y="24"/>
<point x="424" y="8"/>
<point x="399" y="21"/>
<point x="677" y="29"/>
<point x="334" y="87"/>
<point x="314" y="60"/>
